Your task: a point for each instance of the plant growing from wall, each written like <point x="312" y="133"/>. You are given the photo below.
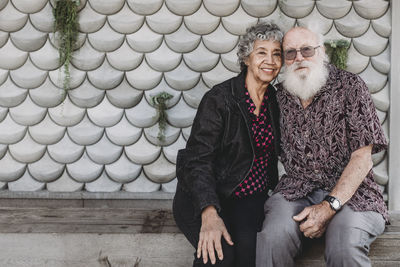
<point x="66" y="24"/>
<point x="337" y="52"/>
<point x="160" y="102"/>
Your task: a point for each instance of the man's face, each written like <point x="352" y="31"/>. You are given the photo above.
<point x="297" y="39"/>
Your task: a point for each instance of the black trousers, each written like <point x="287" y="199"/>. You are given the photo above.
<point x="243" y="219"/>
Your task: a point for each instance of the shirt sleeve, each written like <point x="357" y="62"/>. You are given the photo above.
<point x="363" y="126"/>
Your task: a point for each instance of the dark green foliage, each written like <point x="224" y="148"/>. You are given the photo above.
<point x="66" y="24"/>
<point x="337" y="52"/>
<point x="159" y="101"/>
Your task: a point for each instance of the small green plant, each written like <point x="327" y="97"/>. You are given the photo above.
<point x="66" y="24"/>
<point x="337" y="52"/>
<point x="159" y="101"/>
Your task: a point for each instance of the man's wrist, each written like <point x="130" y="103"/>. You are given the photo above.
<point x="333" y="202"/>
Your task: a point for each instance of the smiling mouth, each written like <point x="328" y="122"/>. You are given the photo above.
<point x="268" y="70"/>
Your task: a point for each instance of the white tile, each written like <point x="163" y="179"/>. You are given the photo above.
<point x="238" y="22"/>
<point x="194" y="96"/>
<point x="202" y="22"/>
<point x="125" y="21"/>
<point x="64" y="184"/>
<point x="103" y="152"/>
<point x="46" y="58"/>
<point x="217" y="75"/>
<point x="27" y="150"/>
<point x="123" y="133"/>
<point x="284" y="22"/>
<point x="333" y="34"/>
<point x="370" y="44"/>
<point x="145" y="7"/>
<point x="378" y="157"/>
<point x="160" y="171"/>
<point x="124" y="95"/>
<point x="29" y="6"/>
<point x="3" y="38"/>
<point x="76" y="77"/>
<point x="230" y="61"/>
<point x="220" y="41"/>
<point x="90" y="21"/>
<point x="87" y="58"/>
<point x="106" y="39"/>
<point x="381" y="175"/>
<point x="163" y="87"/>
<point x="47" y="95"/>
<point x="163" y="59"/>
<point x="65" y="151"/>
<point x="356" y="62"/>
<point x="46" y="169"/>
<point x="371" y="9"/>
<point x="11" y="57"/>
<point x="11" y="132"/>
<point x="105" y="77"/>
<point x="171" y="151"/>
<point x="381" y="116"/>
<point x="28" y="76"/>
<point x="106" y="7"/>
<point x="85" y="132"/>
<point x="56" y="37"/>
<point x="103" y="184"/>
<point x="183" y="7"/>
<point x="381" y="62"/>
<point x="144" y="40"/>
<point x="67" y="113"/>
<point x="12" y="20"/>
<point x="10" y="169"/>
<point x="333" y="9"/>
<point x="170" y="135"/>
<point x="383" y="25"/>
<point x="3" y="3"/>
<point x="11" y="95"/>
<point x="86" y="95"/>
<point x="47" y="132"/>
<point x="27" y="113"/>
<point x="124" y="58"/>
<point x="84" y="170"/>
<point x="182" y="78"/>
<point x="28" y="38"/>
<point x="201" y="59"/>
<point x="258" y="8"/>
<point x="142" y="152"/>
<point x="143" y="77"/>
<point x="26" y="183"/>
<point x="182" y="40"/>
<point x="297" y="8"/>
<point x="142" y="115"/>
<point x="44" y="19"/>
<point x="3" y="76"/>
<point x="181" y="115"/>
<point x="164" y="21"/>
<point x="186" y="132"/>
<point x="352" y="25"/>
<point x="123" y="170"/>
<point x="374" y="79"/>
<point x="169" y="187"/>
<point x="316" y="22"/>
<point x="141" y="185"/>
<point x="221" y="8"/>
<point x="3" y="113"/>
<point x="381" y="99"/>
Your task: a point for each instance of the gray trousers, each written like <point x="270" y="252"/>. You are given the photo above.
<point x="347" y="238"/>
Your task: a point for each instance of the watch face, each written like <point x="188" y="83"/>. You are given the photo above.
<point x="335" y="204"/>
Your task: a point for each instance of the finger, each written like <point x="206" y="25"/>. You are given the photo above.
<point x="218" y="248"/>
<point x="227" y="237"/>
<point x="211" y="252"/>
<point x="302" y="215"/>
<point x="199" y="245"/>
<point x="204" y="252"/>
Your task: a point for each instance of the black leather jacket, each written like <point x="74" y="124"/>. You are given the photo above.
<point x="219" y="153"/>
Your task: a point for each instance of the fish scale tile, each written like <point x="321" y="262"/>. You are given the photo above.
<point x="127" y="52"/>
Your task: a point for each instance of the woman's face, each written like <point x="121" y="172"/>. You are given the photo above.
<point x="265" y="61"/>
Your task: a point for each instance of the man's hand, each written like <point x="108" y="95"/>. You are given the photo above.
<point x="314" y="219"/>
<point x="212" y="228"/>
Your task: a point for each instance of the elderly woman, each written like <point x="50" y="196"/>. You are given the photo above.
<point x="230" y="160"/>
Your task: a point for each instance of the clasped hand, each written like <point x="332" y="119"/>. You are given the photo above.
<point x="212" y="229"/>
<point x="314" y="219"/>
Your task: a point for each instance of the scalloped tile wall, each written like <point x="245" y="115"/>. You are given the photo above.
<point x="102" y="135"/>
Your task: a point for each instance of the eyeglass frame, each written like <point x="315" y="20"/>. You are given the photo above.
<point x="299" y="50"/>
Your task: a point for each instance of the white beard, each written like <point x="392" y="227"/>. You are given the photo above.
<point x="305" y="84"/>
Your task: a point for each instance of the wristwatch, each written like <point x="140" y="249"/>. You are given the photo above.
<point x="333" y="202"/>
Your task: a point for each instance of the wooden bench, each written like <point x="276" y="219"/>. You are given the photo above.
<point x="130" y="236"/>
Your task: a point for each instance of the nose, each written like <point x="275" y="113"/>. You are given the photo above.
<point x="299" y="56"/>
<point x="269" y="59"/>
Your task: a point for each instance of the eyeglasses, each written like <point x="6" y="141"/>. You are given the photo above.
<point x="305" y="51"/>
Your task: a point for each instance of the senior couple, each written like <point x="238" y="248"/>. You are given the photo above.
<point x="322" y="124"/>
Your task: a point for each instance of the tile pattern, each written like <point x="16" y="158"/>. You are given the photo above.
<point x="103" y="136"/>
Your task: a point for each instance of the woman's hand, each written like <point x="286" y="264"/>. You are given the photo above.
<point x="212" y="228"/>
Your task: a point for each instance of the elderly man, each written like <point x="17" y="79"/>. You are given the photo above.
<point x="329" y="130"/>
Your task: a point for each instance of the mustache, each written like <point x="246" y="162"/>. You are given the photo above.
<point x="301" y="64"/>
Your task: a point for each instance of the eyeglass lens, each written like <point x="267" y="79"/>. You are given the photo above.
<point x="306" y="51"/>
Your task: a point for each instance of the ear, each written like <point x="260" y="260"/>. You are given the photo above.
<point x="246" y="61"/>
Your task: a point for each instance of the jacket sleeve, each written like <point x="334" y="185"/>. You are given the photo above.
<point x="195" y="163"/>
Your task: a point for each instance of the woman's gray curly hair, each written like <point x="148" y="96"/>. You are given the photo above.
<point x="261" y="31"/>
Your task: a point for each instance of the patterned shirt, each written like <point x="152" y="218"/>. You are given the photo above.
<point x="256" y="181"/>
<point x="317" y="141"/>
